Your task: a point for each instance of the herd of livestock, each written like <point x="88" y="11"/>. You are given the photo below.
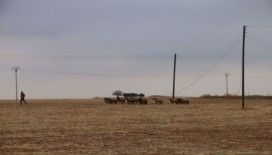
<point x="142" y="100"/>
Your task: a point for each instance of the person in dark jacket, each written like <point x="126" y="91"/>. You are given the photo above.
<point x="22" y="98"/>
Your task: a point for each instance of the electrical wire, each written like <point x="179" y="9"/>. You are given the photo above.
<point x="255" y="26"/>
<point x="104" y="75"/>
<point x="82" y="57"/>
<point x="203" y="72"/>
<point x="260" y="42"/>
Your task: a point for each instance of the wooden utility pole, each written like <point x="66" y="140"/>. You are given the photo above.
<point x="243" y="67"/>
<point x="174" y="76"/>
<point x="16" y="68"/>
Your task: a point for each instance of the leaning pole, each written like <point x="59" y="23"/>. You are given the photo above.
<point x="243" y="67"/>
<point x="174" y="76"/>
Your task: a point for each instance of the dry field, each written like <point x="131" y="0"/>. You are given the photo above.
<point x="206" y="126"/>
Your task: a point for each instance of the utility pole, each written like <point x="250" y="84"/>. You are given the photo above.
<point x="174" y="76"/>
<point x="227" y="84"/>
<point x="243" y="67"/>
<point x="16" y="68"/>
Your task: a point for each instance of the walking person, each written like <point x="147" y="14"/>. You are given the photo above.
<point x="22" y="98"/>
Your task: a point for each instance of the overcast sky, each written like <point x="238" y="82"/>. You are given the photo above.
<point x="88" y="48"/>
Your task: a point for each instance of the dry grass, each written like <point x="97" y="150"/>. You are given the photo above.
<point x="206" y="126"/>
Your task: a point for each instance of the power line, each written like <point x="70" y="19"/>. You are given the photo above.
<point x="260" y="26"/>
<point x="49" y="57"/>
<point x="84" y="57"/>
<point x="105" y="75"/>
<point x="210" y="66"/>
<point x="259" y="41"/>
<point x="132" y="76"/>
<point x="108" y="74"/>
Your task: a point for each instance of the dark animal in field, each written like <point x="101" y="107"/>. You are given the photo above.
<point x="172" y="100"/>
<point x="131" y="100"/>
<point x="106" y="100"/>
<point x="121" y="100"/>
<point x="110" y="100"/>
<point x="157" y="101"/>
<point x="142" y="100"/>
<point x="179" y="101"/>
<point x="136" y="100"/>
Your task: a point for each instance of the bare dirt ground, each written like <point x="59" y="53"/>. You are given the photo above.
<point x="205" y="126"/>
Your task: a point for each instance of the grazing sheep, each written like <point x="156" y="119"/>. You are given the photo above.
<point x="172" y="100"/>
<point x="121" y="100"/>
<point x="110" y="100"/>
<point x="157" y="101"/>
<point x="131" y="100"/>
<point x="179" y="101"/>
<point x="136" y="100"/>
<point x="142" y="100"/>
